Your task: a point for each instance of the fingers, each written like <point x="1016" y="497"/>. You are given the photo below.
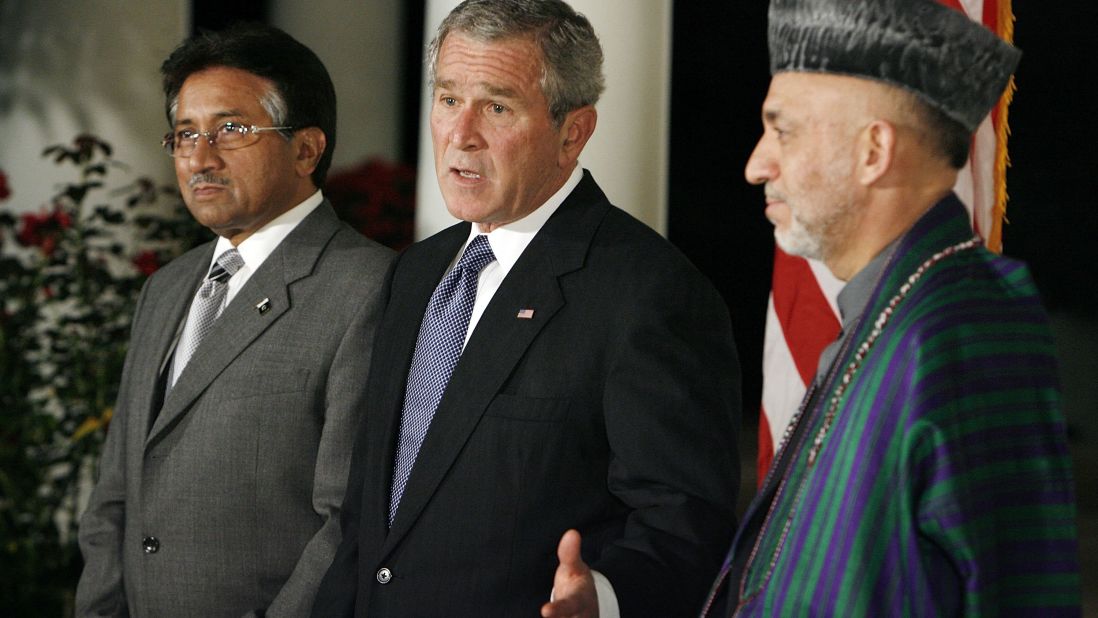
<point x="567" y="607"/>
<point x="568" y="552"/>
<point x="573" y="586"/>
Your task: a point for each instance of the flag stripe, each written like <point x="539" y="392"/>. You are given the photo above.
<point x="801" y="319"/>
<point x="806" y="317"/>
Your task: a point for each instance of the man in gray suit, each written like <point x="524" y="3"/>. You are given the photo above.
<point x="224" y="469"/>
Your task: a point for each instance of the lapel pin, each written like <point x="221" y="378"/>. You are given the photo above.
<point x="525" y="314"/>
<point x="264" y="306"/>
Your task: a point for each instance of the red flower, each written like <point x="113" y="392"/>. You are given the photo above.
<point x="147" y="262"/>
<point x="4" y="190"/>
<point x="377" y="199"/>
<point x="44" y="230"/>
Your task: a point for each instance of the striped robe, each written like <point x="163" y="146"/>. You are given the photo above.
<point x="943" y="486"/>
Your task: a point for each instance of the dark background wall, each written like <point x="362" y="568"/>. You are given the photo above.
<point x="1053" y="181"/>
<point x="719" y="80"/>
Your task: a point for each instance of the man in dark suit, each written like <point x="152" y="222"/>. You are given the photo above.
<point x="548" y="364"/>
<point x="226" y="462"/>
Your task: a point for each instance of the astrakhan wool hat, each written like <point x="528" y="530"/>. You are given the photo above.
<point x="951" y="62"/>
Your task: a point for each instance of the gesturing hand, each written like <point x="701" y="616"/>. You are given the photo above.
<point x="573" y="585"/>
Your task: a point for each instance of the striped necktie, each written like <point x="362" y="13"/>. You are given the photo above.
<point x="205" y="308"/>
<point x="438" y="348"/>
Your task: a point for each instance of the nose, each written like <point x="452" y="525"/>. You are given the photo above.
<point x="761" y="166"/>
<point x="204" y="157"/>
<point x="465" y="133"/>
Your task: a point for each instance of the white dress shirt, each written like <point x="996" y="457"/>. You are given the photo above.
<point x="508" y="242"/>
<point x="254" y="250"/>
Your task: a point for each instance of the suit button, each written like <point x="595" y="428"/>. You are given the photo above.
<point x="150" y="544"/>
<point x="384" y="576"/>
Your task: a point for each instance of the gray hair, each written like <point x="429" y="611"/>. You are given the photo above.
<point x="571" y="55"/>
<point x="273" y="103"/>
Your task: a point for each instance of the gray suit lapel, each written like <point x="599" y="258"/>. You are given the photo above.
<point x="242" y="322"/>
<point x="168" y="304"/>
<point x="499" y="342"/>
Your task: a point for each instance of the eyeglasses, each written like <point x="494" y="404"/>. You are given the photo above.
<point x="228" y="136"/>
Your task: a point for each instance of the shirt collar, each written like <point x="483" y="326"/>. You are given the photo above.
<point x="255" y="249"/>
<point x="856" y="293"/>
<point x="510" y="240"/>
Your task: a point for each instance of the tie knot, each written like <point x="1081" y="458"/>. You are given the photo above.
<point x="477" y="255"/>
<point x="227" y="264"/>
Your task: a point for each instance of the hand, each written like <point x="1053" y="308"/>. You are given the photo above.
<point x="574" y="593"/>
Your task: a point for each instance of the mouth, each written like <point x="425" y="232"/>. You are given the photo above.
<point x="466" y="175"/>
<point x="773" y="198"/>
<point x="773" y="206"/>
<point x="201" y="191"/>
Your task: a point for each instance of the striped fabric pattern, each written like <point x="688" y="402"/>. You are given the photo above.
<point x="944" y="485"/>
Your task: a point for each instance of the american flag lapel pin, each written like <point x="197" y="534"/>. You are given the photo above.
<point x="525" y="314"/>
<point x="263" y="306"/>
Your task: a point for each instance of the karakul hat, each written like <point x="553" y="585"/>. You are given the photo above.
<point x="948" y="60"/>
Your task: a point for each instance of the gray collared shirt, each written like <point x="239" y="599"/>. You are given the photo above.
<point x="853" y="299"/>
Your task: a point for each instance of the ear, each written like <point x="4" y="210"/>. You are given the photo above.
<point x="876" y="151"/>
<point x="309" y="144"/>
<point x="577" y="128"/>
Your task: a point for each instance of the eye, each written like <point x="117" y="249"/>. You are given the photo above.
<point x="449" y="101"/>
<point x="185" y="134"/>
<point x="496" y="108"/>
<point x="232" y="127"/>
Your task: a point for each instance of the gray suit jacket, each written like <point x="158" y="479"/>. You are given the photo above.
<point x="224" y="501"/>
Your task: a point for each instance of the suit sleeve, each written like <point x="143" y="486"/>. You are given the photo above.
<point x="339" y="588"/>
<point x="672" y="412"/>
<point x="336" y="596"/>
<point x="100" y="591"/>
<point x="345" y="406"/>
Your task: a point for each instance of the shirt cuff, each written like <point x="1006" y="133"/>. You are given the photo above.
<point x="608" y="601"/>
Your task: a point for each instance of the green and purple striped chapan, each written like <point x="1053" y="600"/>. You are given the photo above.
<point x="942" y="483"/>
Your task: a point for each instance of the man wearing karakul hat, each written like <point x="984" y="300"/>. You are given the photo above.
<point x="927" y="472"/>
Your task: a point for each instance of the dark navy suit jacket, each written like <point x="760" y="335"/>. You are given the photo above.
<point x="614" y="409"/>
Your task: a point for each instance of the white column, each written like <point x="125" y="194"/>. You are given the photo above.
<point x="629" y="151"/>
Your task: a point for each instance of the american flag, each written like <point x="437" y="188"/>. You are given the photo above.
<point x="802" y="315"/>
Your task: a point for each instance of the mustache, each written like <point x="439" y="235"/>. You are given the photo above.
<point x="208" y="179"/>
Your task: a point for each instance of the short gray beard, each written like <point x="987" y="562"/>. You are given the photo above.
<point x="797" y="240"/>
<point x="814" y="241"/>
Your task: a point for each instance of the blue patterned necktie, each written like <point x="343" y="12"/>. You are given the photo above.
<point x="206" y="307"/>
<point x="441" y="339"/>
